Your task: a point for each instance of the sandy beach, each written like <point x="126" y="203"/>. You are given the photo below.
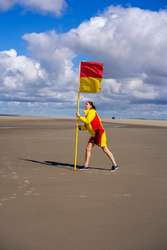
<point x="44" y="205"/>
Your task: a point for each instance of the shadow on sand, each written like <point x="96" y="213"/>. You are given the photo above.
<point x="63" y="165"/>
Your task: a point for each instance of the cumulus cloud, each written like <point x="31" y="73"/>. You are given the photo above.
<point x="19" y="75"/>
<point x="131" y="43"/>
<point x="6" y="4"/>
<point x="54" y="57"/>
<point x="23" y="79"/>
<point x="45" y="6"/>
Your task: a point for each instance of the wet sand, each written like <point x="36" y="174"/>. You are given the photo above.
<point x="44" y="205"/>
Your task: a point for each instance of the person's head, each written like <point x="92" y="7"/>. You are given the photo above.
<point x="89" y="105"/>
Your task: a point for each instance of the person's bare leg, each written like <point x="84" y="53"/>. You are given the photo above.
<point x="88" y="153"/>
<point x="110" y="155"/>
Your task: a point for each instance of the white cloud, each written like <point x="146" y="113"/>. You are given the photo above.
<point x="6" y="4"/>
<point x="139" y="89"/>
<point x="20" y="76"/>
<point x="45" y="6"/>
<point x="55" y="58"/>
<point x="112" y="85"/>
<point x="131" y="42"/>
<point x="18" y="71"/>
<point x="23" y="79"/>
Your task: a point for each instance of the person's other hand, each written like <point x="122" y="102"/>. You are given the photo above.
<point x="77" y="114"/>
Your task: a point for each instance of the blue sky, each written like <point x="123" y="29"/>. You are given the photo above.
<point x="17" y="21"/>
<point x="40" y="42"/>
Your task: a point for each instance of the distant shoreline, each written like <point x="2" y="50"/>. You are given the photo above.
<point x="61" y="117"/>
<point x="136" y="122"/>
<point x="139" y="122"/>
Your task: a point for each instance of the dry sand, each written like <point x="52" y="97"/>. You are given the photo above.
<point x="45" y="206"/>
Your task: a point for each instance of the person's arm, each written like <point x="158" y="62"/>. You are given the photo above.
<point x="82" y="127"/>
<point x="87" y="119"/>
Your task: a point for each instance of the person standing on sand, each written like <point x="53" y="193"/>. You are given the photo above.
<point x="93" y="124"/>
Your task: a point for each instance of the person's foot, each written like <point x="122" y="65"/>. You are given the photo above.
<point x="114" y="168"/>
<point x="84" y="167"/>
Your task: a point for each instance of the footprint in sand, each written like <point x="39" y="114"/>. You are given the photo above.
<point x="2" y="201"/>
<point x="36" y="194"/>
<point x="15" y="175"/>
<point x="31" y="191"/>
<point x="62" y="174"/>
<point x="26" y="182"/>
<point x="28" y="192"/>
<point x="12" y="197"/>
<point x="125" y="195"/>
<point x="83" y="196"/>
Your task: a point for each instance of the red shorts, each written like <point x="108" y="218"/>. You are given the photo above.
<point x="99" y="139"/>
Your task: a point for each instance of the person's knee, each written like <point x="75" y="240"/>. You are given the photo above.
<point x="105" y="149"/>
<point x="89" y="148"/>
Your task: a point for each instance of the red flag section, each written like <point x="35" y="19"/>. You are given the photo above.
<point x="91" y="74"/>
<point x="91" y="69"/>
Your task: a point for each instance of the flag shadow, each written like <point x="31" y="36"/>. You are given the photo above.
<point x="55" y="164"/>
<point x="63" y="165"/>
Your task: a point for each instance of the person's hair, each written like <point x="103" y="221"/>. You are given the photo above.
<point x="92" y="104"/>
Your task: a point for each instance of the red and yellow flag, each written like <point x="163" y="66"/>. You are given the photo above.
<point x="91" y="74"/>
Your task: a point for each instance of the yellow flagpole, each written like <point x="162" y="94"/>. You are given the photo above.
<point x="76" y="132"/>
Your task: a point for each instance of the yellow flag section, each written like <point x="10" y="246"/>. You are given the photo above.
<point x="91" y="74"/>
